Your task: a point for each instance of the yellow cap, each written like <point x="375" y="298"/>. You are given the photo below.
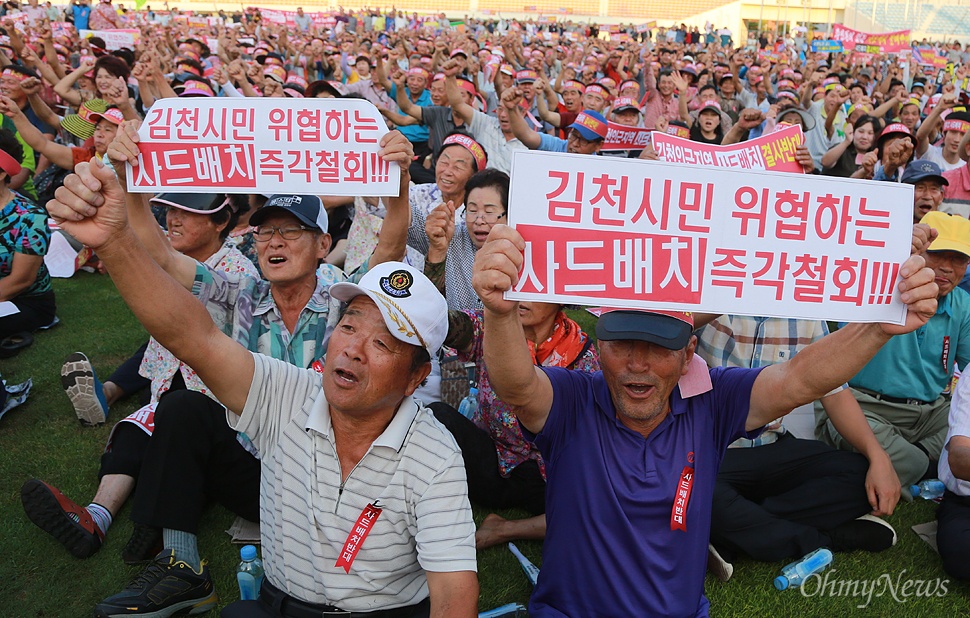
<point x="954" y="232"/>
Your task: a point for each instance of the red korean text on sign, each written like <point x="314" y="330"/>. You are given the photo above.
<point x="608" y="264"/>
<point x="196" y="166"/>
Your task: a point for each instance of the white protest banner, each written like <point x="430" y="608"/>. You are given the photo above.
<point x="273" y="145"/>
<point x="774" y="151"/>
<point x="115" y="39"/>
<point x="631" y="233"/>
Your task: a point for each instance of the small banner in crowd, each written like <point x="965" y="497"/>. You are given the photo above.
<point x="623" y="137"/>
<point x="773" y="152"/>
<point x="927" y="56"/>
<point x="115" y="39"/>
<point x="630" y="233"/>
<point x="870" y="43"/>
<point x="252" y="145"/>
<point x="827" y="46"/>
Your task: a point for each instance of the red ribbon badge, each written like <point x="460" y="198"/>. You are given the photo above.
<point x="678" y="514"/>
<point x="357" y="535"/>
<point x="946" y="351"/>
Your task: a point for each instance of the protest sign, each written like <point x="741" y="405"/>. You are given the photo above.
<point x="623" y="137"/>
<point x="251" y="145"/>
<point x="828" y="47"/>
<point x="115" y="39"/>
<point x="774" y="152"/>
<point x="630" y="233"/>
<point x="927" y="56"/>
<point x="869" y="43"/>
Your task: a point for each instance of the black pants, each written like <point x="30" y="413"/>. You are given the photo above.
<point x="776" y="501"/>
<point x="953" y="535"/>
<point x="129" y="443"/>
<point x="35" y="311"/>
<point x="524" y="488"/>
<point x="126" y="375"/>
<point x="193" y="457"/>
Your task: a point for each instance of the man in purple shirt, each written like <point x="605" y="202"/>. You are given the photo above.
<point x="632" y="452"/>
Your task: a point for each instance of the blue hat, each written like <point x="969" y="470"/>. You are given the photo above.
<point x="307" y="208"/>
<point x="591" y="125"/>
<point x="921" y="169"/>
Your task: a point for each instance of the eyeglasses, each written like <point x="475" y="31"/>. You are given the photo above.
<point x="290" y="232"/>
<point x="485" y="215"/>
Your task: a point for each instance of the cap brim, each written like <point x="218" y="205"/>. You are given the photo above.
<point x="345" y="291"/>
<point x="588" y="134"/>
<point x="913" y="180"/>
<point x="663" y="330"/>
<point x="949" y="245"/>
<point x="260" y="215"/>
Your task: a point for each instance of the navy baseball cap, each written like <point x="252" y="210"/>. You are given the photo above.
<point x="668" y="329"/>
<point x="921" y="169"/>
<point x="307" y="208"/>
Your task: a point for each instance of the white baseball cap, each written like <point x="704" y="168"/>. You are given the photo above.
<point x="414" y="310"/>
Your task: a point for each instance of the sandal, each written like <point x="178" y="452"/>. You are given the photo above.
<point x="13" y="344"/>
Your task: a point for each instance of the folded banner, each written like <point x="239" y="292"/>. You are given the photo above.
<point x="631" y="233"/>
<point x="870" y="43"/>
<point x="774" y="152"/>
<point x="251" y="145"/>
<point x="623" y="137"/>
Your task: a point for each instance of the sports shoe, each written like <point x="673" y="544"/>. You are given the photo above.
<point x="60" y="517"/>
<point x="84" y="389"/>
<point x="868" y="533"/>
<point x="717" y="565"/>
<point x="165" y="587"/>
<point x="145" y="542"/>
<point x="16" y="395"/>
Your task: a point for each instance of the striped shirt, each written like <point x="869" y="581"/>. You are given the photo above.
<point x="242" y="306"/>
<point x="487" y="131"/>
<point x="414" y="472"/>
<point x="751" y="342"/>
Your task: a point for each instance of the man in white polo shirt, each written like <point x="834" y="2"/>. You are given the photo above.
<point x="363" y="501"/>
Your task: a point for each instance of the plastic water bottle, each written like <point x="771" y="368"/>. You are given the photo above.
<point x="249" y="573"/>
<point x="797" y="572"/>
<point x="469" y="405"/>
<point x="929" y="489"/>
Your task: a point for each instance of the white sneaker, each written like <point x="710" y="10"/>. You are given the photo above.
<point x="83" y="389"/>
<point x="721" y="568"/>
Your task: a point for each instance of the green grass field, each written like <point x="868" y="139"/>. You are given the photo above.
<point x="42" y="438"/>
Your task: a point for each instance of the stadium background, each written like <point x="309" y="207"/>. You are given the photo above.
<point x="936" y="21"/>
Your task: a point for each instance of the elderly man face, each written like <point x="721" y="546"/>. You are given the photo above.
<point x="927" y="196"/>
<point x="641" y="376"/>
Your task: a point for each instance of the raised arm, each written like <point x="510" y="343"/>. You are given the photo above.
<point x="58" y="154"/>
<point x="91" y="208"/>
<point x="179" y="266"/>
<point x="65" y="87"/>
<point x="928" y="126"/>
<point x="511" y="99"/>
<point x="392" y="242"/>
<point x="831" y="361"/>
<point x="453" y="92"/>
<point x="516" y="380"/>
